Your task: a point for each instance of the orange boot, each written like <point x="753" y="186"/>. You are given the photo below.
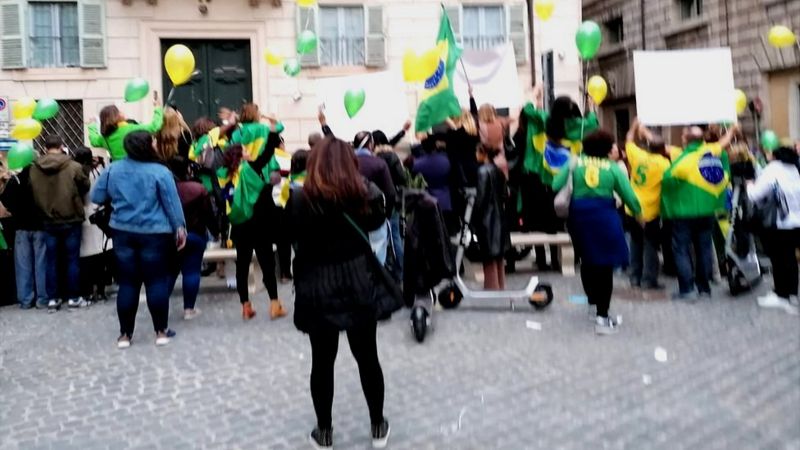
<point x="247" y="311"/>
<point x="276" y="310"/>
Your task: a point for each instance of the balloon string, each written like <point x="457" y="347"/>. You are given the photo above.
<point x="584" y="95"/>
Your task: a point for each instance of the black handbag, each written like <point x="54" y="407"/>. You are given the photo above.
<point x="101" y="217"/>
<point x="388" y="297"/>
<point x="764" y="214"/>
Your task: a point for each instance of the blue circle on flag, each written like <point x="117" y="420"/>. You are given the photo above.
<point x="556" y="156"/>
<point x="437" y="76"/>
<point x="711" y="169"/>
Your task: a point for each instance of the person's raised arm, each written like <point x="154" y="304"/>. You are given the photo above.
<point x="633" y="131"/>
<point x="538" y="96"/>
<point x="156" y="122"/>
<point x="95" y="138"/>
<point x="400" y="134"/>
<point x="727" y="139"/>
<point x="323" y="122"/>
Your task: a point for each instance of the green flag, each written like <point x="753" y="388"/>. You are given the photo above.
<point x="439" y="102"/>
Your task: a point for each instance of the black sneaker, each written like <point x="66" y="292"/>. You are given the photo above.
<point x="53" y="305"/>
<point x="380" y="434"/>
<point x="321" y="439"/>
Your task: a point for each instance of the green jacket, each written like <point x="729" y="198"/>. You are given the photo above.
<point x="598" y="178"/>
<point x="115" y="143"/>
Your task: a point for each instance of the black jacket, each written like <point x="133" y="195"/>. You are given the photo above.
<point x="396" y="170"/>
<point x="335" y="284"/>
<point x="488" y="216"/>
<point x="428" y="259"/>
<point x="18" y="200"/>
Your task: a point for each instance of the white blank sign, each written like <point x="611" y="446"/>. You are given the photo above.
<point x="682" y="87"/>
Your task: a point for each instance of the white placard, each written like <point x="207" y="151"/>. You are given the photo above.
<point x="681" y="87"/>
<point x="494" y="77"/>
<point x="385" y="105"/>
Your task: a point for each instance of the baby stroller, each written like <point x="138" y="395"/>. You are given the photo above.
<point x="741" y="257"/>
<point x="428" y="261"/>
<point x="539" y="295"/>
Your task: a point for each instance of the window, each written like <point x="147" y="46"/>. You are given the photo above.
<point x="484" y="26"/>
<point x="341" y="36"/>
<point x="615" y="31"/>
<point x="68" y="124"/>
<point x="691" y="8"/>
<point x="54" y="34"/>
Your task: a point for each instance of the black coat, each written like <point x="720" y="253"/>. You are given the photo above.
<point x="488" y="216"/>
<point x="336" y="287"/>
<point x="17" y="197"/>
<point x="428" y="259"/>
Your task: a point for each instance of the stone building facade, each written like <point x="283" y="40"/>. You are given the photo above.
<point x="82" y="52"/>
<point x="769" y="75"/>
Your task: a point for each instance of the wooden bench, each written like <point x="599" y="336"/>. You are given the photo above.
<point x="229" y="255"/>
<point x="566" y="254"/>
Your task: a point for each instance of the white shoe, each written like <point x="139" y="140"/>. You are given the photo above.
<point x="772" y="300"/>
<point x="162" y="341"/>
<point x="190" y="314"/>
<point x="606" y="325"/>
<point x="123" y="342"/>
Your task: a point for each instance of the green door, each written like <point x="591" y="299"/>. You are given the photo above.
<point x="224" y="78"/>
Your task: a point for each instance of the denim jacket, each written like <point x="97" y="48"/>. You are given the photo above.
<point x="144" y="197"/>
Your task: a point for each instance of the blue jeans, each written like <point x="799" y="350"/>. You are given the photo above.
<point x="63" y="260"/>
<point x="644" y="253"/>
<point x="191" y="262"/>
<point x="397" y="242"/>
<point x="144" y="259"/>
<point x="30" y="263"/>
<point x="688" y="233"/>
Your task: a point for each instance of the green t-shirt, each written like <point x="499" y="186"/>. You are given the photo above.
<point x="115" y="142"/>
<point x="598" y="178"/>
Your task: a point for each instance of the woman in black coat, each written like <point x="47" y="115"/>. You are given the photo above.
<point x="337" y="284"/>
<point x="489" y="219"/>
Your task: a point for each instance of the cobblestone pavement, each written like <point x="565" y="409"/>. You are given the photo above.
<point x="482" y="379"/>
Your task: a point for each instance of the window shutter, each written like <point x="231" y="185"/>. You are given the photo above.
<point x="517" y="14"/>
<point x="454" y="14"/>
<point x="14" y="45"/>
<point x="375" y="40"/>
<point x="308" y="18"/>
<point x="92" y="26"/>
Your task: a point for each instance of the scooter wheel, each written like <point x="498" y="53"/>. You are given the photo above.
<point x="736" y="283"/>
<point x="542" y="296"/>
<point x="419" y="323"/>
<point x="450" y="297"/>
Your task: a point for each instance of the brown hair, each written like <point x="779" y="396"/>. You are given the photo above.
<point x="109" y="118"/>
<point x="202" y="126"/>
<point x="332" y="175"/>
<point x="250" y="113"/>
<point x="171" y="130"/>
<point x="487" y="113"/>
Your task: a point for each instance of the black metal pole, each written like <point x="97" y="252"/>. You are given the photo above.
<point x="532" y="42"/>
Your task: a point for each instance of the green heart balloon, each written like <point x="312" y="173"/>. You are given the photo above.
<point x="291" y="67"/>
<point x="588" y="39"/>
<point x="769" y="140"/>
<point x="354" y="101"/>
<point x="46" y="108"/>
<point x="136" y="89"/>
<point x="20" y="156"/>
<point x="306" y="42"/>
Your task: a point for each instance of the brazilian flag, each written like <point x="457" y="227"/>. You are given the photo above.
<point x="439" y="102"/>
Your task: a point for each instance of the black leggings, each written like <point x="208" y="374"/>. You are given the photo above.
<point x="598" y="283"/>
<point x="781" y="246"/>
<point x="249" y="238"/>
<point x="324" y="346"/>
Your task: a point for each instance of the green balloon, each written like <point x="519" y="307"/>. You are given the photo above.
<point x="306" y="42"/>
<point x="20" y="156"/>
<point x="136" y="89"/>
<point x="353" y="101"/>
<point x="46" y="108"/>
<point x="292" y="67"/>
<point x="588" y="39"/>
<point x="769" y="140"/>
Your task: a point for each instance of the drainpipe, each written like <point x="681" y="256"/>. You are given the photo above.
<point x="532" y="43"/>
<point x="644" y="34"/>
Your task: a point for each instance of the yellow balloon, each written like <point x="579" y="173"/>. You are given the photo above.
<point x="781" y="37"/>
<point x="23" y="108"/>
<point x="544" y="9"/>
<point x="597" y="88"/>
<point x="26" y="129"/>
<point x="273" y="59"/>
<point x="179" y="62"/>
<point x="306" y="3"/>
<point x="741" y="101"/>
<point x="418" y="68"/>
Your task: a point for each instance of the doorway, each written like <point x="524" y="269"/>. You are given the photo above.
<point x="224" y="78"/>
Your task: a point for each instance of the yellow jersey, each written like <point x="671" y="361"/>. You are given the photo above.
<point x="647" y="171"/>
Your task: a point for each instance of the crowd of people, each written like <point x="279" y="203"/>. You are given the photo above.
<point x="335" y="212"/>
